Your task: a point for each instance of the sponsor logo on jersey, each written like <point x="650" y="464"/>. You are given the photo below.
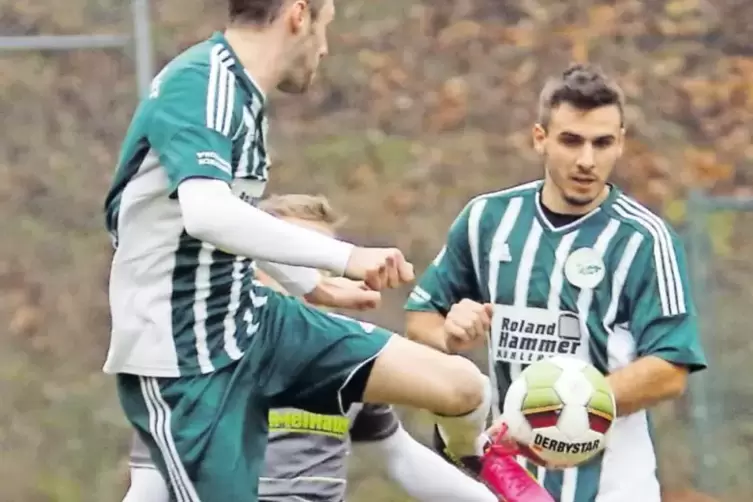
<point x="292" y="420"/>
<point x="544" y="443"/>
<point x="526" y="335"/>
<point x="249" y="191"/>
<point x="584" y="268"/>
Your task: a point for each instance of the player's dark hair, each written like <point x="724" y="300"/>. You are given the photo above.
<point x="582" y="86"/>
<point x="263" y="12"/>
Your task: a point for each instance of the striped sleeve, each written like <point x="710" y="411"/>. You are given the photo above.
<point x="660" y="310"/>
<point x="453" y="274"/>
<point x="195" y="115"/>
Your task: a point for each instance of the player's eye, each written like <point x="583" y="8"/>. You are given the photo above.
<point x="570" y="140"/>
<point x="604" y="142"/>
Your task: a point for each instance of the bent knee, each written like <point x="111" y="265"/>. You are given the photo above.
<point x="466" y="386"/>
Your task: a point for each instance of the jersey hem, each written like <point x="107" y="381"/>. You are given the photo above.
<point x="162" y="372"/>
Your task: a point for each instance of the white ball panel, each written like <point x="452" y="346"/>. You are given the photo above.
<point x="552" y="445"/>
<point x="573" y="422"/>
<point x="568" y="363"/>
<point x="573" y="388"/>
<point x="512" y="415"/>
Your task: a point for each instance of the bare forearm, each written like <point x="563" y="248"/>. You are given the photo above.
<point x="645" y="383"/>
<point x="427" y="328"/>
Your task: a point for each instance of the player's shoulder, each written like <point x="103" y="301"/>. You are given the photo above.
<point x="205" y="54"/>
<point x="197" y="64"/>
<point x="504" y="196"/>
<point x="639" y="218"/>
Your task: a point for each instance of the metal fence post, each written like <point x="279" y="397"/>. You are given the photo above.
<point x="698" y="386"/>
<point x="140" y="38"/>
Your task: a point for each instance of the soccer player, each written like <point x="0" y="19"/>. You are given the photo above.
<point x="571" y="265"/>
<point x="306" y="455"/>
<point x="200" y="352"/>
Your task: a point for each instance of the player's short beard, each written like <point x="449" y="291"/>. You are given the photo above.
<point x="297" y="79"/>
<point x="294" y="83"/>
<point x="572" y="201"/>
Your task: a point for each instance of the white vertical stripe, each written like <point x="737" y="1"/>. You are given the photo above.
<point x="220" y="94"/>
<point x="156" y="429"/>
<point x="569" y="484"/>
<point x="499" y="241"/>
<point x="556" y="281"/>
<point x="523" y="278"/>
<point x="231" y="345"/>
<point x="570" y="476"/>
<point x="474" y="223"/>
<point x="662" y="260"/>
<point x="658" y="258"/>
<point x="202" y="284"/>
<point x="168" y="449"/>
<point x="250" y="122"/>
<point x="214" y="74"/>
<point x="668" y="270"/>
<point x="520" y="299"/>
<point x="619" y="278"/>
<point x="222" y="101"/>
<point x="586" y="295"/>
<point x="438" y="259"/>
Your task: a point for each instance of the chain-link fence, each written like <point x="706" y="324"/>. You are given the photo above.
<point x="719" y="234"/>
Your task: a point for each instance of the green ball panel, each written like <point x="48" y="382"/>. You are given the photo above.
<point x="542" y="374"/>
<point x="598" y="380"/>
<point x="602" y="404"/>
<point x="539" y="400"/>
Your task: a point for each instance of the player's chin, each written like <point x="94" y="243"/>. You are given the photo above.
<point x="580" y="198"/>
<point x="294" y="86"/>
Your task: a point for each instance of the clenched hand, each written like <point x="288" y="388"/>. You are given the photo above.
<point x="467" y="325"/>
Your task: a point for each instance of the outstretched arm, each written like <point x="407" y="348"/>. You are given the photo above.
<point x="211" y="213"/>
<point x="315" y="288"/>
<point x="420" y="472"/>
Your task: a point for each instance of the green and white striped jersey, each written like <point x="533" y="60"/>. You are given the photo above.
<point x="179" y="306"/>
<point x="607" y="288"/>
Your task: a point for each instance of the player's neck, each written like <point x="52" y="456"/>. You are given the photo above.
<point x="258" y="52"/>
<point x="552" y="199"/>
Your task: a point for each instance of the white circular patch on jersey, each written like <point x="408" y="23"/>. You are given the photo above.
<point x="584" y="268"/>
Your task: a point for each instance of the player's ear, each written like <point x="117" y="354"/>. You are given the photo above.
<point x="538" y="134"/>
<point x="297" y="16"/>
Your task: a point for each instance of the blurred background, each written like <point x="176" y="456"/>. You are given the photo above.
<point x="422" y="104"/>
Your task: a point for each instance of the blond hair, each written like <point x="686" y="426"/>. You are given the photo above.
<point x="314" y="208"/>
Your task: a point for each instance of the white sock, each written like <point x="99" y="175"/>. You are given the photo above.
<point x="419" y="472"/>
<point x="147" y="485"/>
<point x="462" y="433"/>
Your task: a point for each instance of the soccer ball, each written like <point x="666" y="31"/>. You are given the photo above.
<point x="560" y="411"/>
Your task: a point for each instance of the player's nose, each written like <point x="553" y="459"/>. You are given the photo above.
<point x="586" y="158"/>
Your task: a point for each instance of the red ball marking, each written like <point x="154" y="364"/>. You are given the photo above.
<point x="539" y="420"/>
<point x="598" y="423"/>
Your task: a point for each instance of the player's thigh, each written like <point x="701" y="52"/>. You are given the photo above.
<point x="315" y="360"/>
<point x="408" y="373"/>
<point x="206" y="433"/>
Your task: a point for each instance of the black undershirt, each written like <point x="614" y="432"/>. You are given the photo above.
<point x="559" y="219"/>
